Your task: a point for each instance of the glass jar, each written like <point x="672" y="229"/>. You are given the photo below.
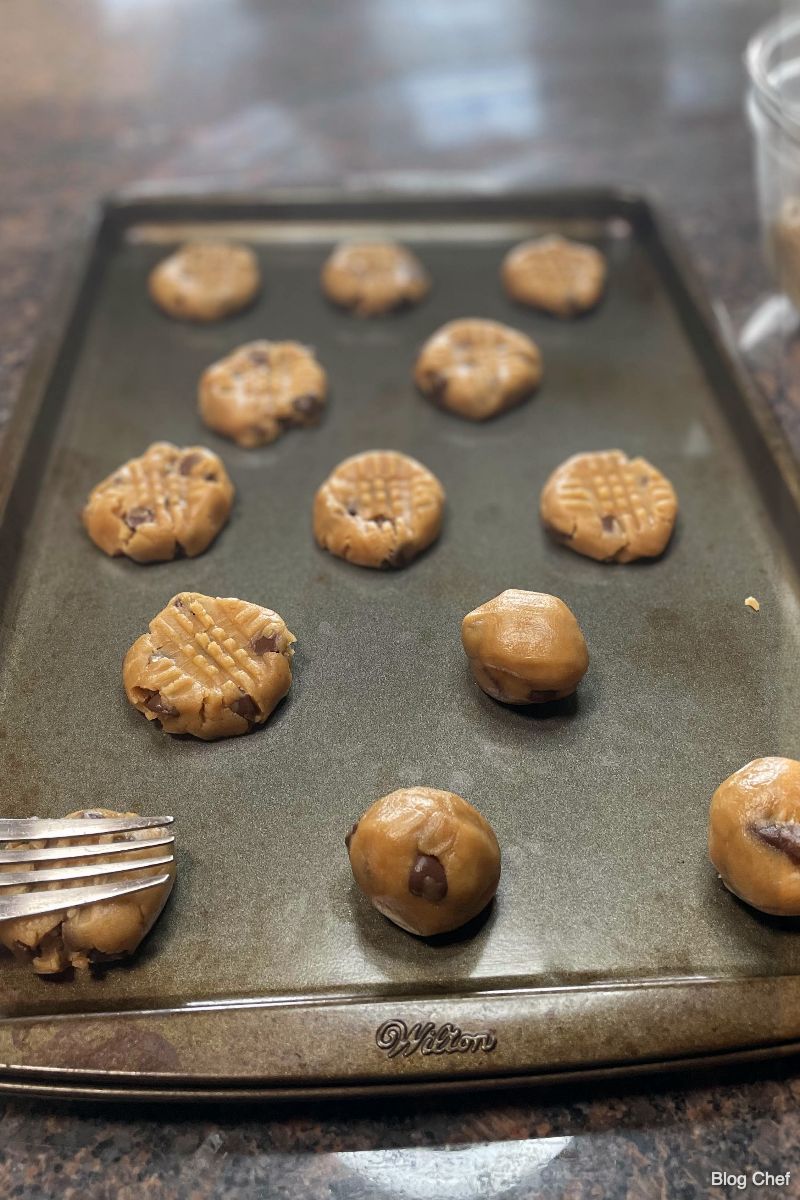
<point x="773" y="104"/>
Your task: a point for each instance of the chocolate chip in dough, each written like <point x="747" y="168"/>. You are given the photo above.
<point x="428" y="878"/>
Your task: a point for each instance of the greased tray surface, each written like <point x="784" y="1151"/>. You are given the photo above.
<point x="611" y="941"/>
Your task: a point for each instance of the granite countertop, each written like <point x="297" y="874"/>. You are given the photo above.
<point x="242" y="94"/>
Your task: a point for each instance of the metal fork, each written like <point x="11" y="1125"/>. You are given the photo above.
<point x="35" y="903"/>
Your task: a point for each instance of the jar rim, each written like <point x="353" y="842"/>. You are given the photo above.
<point x="759" y="57"/>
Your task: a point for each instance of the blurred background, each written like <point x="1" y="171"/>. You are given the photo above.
<point x="415" y="94"/>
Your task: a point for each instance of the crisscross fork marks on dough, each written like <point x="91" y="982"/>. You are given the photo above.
<point x="218" y="653"/>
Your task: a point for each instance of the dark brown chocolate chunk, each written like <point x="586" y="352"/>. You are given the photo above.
<point x="157" y="704"/>
<point x="190" y="461"/>
<point x="135" y="517"/>
<point x="349" y="836"/>
<point x="609" y="523"/>
<point x="307" y="406"/>
<point x="265" y="645"/>
<point x="783" y="836"/>
<point x="428" y="878"/>
<point x="179" y="603"/>
<point x="245" y="707"/>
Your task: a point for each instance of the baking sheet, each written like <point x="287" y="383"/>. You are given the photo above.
<point x="611" y="940"/>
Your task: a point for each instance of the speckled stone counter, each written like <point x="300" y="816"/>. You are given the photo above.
<point x="249" y="94"/>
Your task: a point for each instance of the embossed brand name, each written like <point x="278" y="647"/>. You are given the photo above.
<point x="395" y="1038"/>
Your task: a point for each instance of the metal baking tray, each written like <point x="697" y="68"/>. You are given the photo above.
<point x="612" y="946"/>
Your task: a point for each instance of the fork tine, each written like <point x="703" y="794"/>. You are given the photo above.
<point x="34" y="904"/>
<point x="62" y="874"/>
<point x="33" y="828"/>
<point x="47" y="853"/>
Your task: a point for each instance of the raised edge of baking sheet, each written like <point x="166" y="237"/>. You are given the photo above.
<point x="612" y="946"/>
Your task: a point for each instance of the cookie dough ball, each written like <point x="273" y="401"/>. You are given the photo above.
<point x="370" y="278"/>
<point x="90" y="933"/>
<point x="525" y="647"/>
<point x="262" y="389"/>
<point x="426" y="859"/>
<point x="610" y="507"/>
<point x="554" y="274"/>
<point x="208" y="666"/>
<point x="169" y="502"/>
<point x="754" y="834"/>
<point x="478" y="368"/>
<point x="378" y="509"/>
<point x="204" y="281"/>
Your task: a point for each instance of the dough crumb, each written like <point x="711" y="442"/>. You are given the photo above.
<point x="751" y="602"/>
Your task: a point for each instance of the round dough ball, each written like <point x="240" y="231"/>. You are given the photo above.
<point x="555" y="274"/>
<point x="211" y="666"/>
<point x="478" y="368"/>
<point x="204" y="281"/>
<point x="425" y="858"/>
<point x="371" y="278"/>
<point x="91" y="933"/>
<point x="378" y="509"/>
<point x="525" y="647"/>
<point x="260" y="390"/>
<point x="754" y="834"/>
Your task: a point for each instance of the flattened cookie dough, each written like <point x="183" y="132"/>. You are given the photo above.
<point x="378" y="509"/>
<point x="610" y="507"/>
<point x="204" y="281"/>
<point x="211" y="667"/>
<point x="754" y="834"/>
<point x="425" y="858"/>
<point x="262" y="389"/>
<point x="370" y="278"/>
<point x="167" y="503"/>
<point x="554" y="274"/>
<point x="90" y="933"/>
<point x="478" y="368"/>
<point x="525" y="647"/>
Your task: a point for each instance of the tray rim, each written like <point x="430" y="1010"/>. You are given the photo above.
<point x="752" y="1039"/>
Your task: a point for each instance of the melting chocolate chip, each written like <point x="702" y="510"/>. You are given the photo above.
<point x="784" y="837"/>
<point x="265" y="645"/>
<point x="349" y="837"/>
<point x="157" y="704"/>
<point x="609" y="524"/>
<point x="190" y="461"/>
<point x="135" y="517"/>
<point x="245" y="707"/>
<point x="307" y="406"/>
<point x="427" y="878"/>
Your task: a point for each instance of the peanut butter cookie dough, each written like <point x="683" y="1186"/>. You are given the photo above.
<point x="610" y="507"/>
<point x="425" y="858"/>
<point x="90" y="933"/>
<point x="754" y="834"/>
<point x="525" y="647"/>
<point x="478" y="368"/>
<point x="167" y="503"/>
<point x="378" y="509"/>
<point x="208" y="666"/>
<point x="554" y="274"/>
<point x="204" y="281"/>
<point x="370" y="278"/>
<point x="262" y="389"/>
